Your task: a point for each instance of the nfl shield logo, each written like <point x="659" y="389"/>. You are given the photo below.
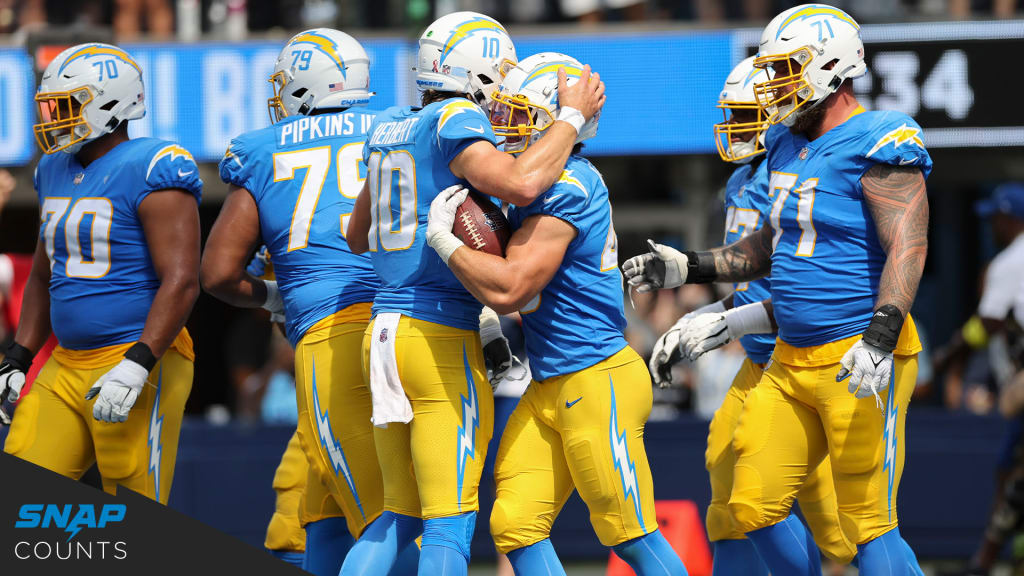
<point x="384" y="335"/>
<point x="803" y="153"/>
<point x="78" y="178"/>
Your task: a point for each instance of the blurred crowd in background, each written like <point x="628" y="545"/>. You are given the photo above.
<point x="164" y="19"/>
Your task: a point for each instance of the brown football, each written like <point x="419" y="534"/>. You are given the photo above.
<point x="480" y="225"/>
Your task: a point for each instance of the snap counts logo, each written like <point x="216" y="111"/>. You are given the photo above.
<point x="71" y="519"/>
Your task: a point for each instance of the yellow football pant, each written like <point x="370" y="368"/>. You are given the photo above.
<point x="54" y="428"/>
<point x="582" y="431"/>
<point x="432" y="465"/>
<point x="284" y="531"/>
<point x="799" y="414"/>
<point x="334" y="422"/>
<point x="817" y="496"/>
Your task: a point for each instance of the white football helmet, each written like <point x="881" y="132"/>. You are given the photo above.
<point x="86" y="92"/>
<point x="740" y="136"/>
<point x="526" y="104"/>
<point x="319" y="68"/>
<point x="467" y="53"/>
<point x="813" y="48"/>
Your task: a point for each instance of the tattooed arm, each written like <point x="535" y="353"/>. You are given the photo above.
<point x="749" y="258"/>
<point x="898" y="202"/>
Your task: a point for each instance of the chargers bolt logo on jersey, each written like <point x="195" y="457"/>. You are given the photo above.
<point x="470" y="422"/>
<point x="902" y="135"/>
<point x="330" y="442"/>
<point x="620" y="453"/>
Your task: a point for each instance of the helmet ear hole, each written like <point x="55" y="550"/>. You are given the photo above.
<point x="108" y="106"/>
<point x="484" y="78"/>
<point x="300" y="92"/>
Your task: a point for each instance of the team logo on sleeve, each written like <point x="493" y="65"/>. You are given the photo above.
<point x="567" y="178"/>
<point x="173" y="151"/>
<point x="453" y="108"/>
<point x="900" y="136"/>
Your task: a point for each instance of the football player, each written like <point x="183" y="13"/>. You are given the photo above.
<point x="422" y="352"/>
<point x="579" y="426"/>
<point x="292" y="187"/>
<point x="115" y="273"/>
<point x="846" y="244"/>
<point x="740" y="140"/>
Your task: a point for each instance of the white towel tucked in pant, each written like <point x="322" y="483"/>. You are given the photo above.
<point x="390" y="403"/>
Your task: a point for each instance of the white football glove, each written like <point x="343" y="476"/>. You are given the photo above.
<point x="12" y="379"/>
<point x="441" y="218"/>
<point x="274" y="302"/>
<point x="869" y="369"/>
<point x="117" y="390"/>
<point x="662" y="267"/>
<point x="711" y="331"/>
<point x="497" y="354"/>
<point x="667" y="351"/>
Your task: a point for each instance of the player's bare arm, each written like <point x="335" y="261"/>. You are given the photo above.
<point x="533" y="255"/>
<point x="521" y="179"/>
<point x="234" y="237"/>
<point x="34" y="326"/>
<point x="170" y="220"/>
<point x="898" y="202"/>
<point x="747" y="259"/>
<point x="357" y="233"/>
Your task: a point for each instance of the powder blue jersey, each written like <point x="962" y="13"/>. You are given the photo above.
<point x="577" y="319"/>
<point x="102" y="280"/>
<point x="408" y="152"/>
<point x="747" y="208"/>
<point x="828" y="261"/>
<point x="305" y="173"/>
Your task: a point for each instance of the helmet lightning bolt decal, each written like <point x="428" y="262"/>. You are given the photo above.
<point x="156" y="424"/>
<point x="467" y="29"/>
<point x="323" y="44"/>
<point x="470" y="422"/>
<point x="812" y="10"/>
<point x="327" y="440"/>
<point x="100" y="50"/>
<point x="620" y="454"/>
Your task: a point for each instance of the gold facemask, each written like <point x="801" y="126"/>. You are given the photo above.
<point x="517" y="120"/>
<point x="747" y="132"/>
<point x="60" y="115"/>
<point x="786" y="92"/>
<point x="275" y="107"/>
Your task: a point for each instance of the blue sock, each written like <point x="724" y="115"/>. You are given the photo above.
<point x="651" y="555"/>
<point x="290" y="556"/>
<point x="787" y="548"/>
<point x="377" y="549"/>
<point x="737" y="558"/>
<point x="888" y="555"/>
<point x="327" y="543"/>
<point x="446" y="545"/>
<point x="408" y="560"/>
<point x="537" y="558"/>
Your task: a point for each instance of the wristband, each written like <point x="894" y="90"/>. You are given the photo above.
<point x="749" y="319"/>
<point x="445" y="245"/>
<point x="884" y="330"/>
<point x="141" y="355"/>
<point x="572" y="117"/>
<point x="18" y="356"/>
<point x="700" y="268"/>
